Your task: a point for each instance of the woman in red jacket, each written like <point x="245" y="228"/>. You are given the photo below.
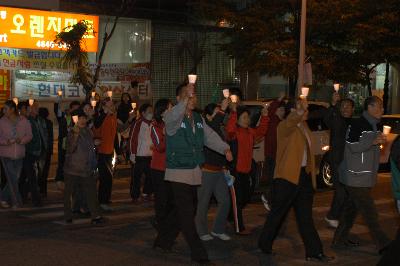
<point x="242" y="138"/>
<point x="158" y="161"/>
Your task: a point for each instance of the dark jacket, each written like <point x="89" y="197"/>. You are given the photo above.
<point x="337" y="125"/>
<point x="123" y="111"/>
<point x="62" y="122"/>
<point x="270" y="140"/>
<point x="360" y="164"/>
<point x="50" y="136"/>
<point x="37" y="145"/>
<point x="80" y="156"/>
<point x="395" y="167"/>
<point x="213" y="159"/>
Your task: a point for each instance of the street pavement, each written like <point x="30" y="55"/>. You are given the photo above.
<point x="39" y="236"/>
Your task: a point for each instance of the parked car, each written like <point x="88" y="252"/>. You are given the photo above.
<point x="389" y="120"/>
<point x="319" y="141"/>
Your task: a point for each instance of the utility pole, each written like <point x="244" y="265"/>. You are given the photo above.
<point x="300" y="79"/>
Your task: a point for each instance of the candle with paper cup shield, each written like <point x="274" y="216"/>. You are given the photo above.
<point x="133" y="105"/>
<point x="192" y="78"/>
<point x="59" y="93"/>
<point x="305" y="91"/>
<point x="15" y="100"/>
<point x="336" y="86"/>
<point x="31" y="101"/>
<point x="234" y="98"/>
<point x="225" y="92"/>
<point x="93" y="103"/>
<point x="75" y="119"/>
<point x="93" y="94"/>
<point x="109" y="93"/>
<point x="386" y="130"/>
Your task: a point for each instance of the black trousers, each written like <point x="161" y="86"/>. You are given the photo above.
<point x="339" y="195"/>
<point x="359" y="200"/>
<point x="87" y="186"/>
<point x="163" y="196"/>
<point x="392" y="256"/>
<point x="243" y="196"/>
<point x="44" y="173"/>
<point x="61" y="160"/>
<point x="29" y="180"/>
<point x="300" y="197"/>
<point x="140" y="168"/>
<point x="180" y="218"/>
<point x="269" y="172"/>
<point x="105" y="177"/>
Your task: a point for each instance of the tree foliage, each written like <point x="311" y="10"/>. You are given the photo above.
<point x="345" y="41"/>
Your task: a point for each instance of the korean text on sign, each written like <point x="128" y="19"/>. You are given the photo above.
<point x="36" y="29"/>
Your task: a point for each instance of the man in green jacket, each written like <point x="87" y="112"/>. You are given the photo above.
<point x="187" y="134"/>
<point x="395" y="168"/>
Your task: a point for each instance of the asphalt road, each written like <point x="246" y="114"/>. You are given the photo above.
<point x="38" y="236"/>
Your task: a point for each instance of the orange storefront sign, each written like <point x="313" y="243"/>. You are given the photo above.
<point x="36" y="29"/>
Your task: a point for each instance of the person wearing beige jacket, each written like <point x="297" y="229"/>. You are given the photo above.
<point x="293" y="185"/>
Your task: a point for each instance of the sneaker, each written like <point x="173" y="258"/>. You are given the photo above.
<point x="265" y="202"/>
<point x="98" y="221"/>
<point x="206" y="237"/>
<point x="5" y="204"/>
<point x="106" y="208"/>
<point x="222" y="236"/>
<point x="332" y="223"/>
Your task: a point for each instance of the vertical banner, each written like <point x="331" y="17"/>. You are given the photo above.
<point x="5" y="85"/>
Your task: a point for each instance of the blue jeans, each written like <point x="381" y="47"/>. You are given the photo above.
<point x="12" y="169"/>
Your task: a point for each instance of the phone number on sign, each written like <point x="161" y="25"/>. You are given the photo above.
<point x="50" y="44"/>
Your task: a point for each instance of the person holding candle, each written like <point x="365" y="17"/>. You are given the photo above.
<point x="186" y="128"/>
<point x="79" y="169"/>
<point x="124" y="113"/>
<point x="358" y="174"/>
<point x="64" y="120"/>
<point x="213" y="180"/>
<point x="140" y="154"/>
<point x="242" y="138"/>
<point x="395" y="169"/>
<point x="292" y="185"/>
<point x="15" y="133"/>
<point x="276" y="113"/>
<point x="34" y="150"/>
<point x="105" y="130"/>
<point x="163" y="200"/>
<point x="46" y="159"/>
<point x="337" y="119"/>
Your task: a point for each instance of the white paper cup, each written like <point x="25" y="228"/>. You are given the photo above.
<point x="75" y="119"/>
<point x="305" y="91"/>
<point x="15" y="100"/>
<point x="225" y="92"/>
<point x="59" y="93"/>
<point x="192" y="78"/>
<point x="31" y="101"/>
<point x="386" y="130"/>
<point x="93" y="94"/>
<point x="93" y="103"/>
<point x="336" y="87"/>
<point x="133" y="105"/>
<point x="234" y="98"/>
<point x="109" y="93"/>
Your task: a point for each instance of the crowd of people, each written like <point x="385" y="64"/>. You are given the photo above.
<point x="185" y="157"/>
